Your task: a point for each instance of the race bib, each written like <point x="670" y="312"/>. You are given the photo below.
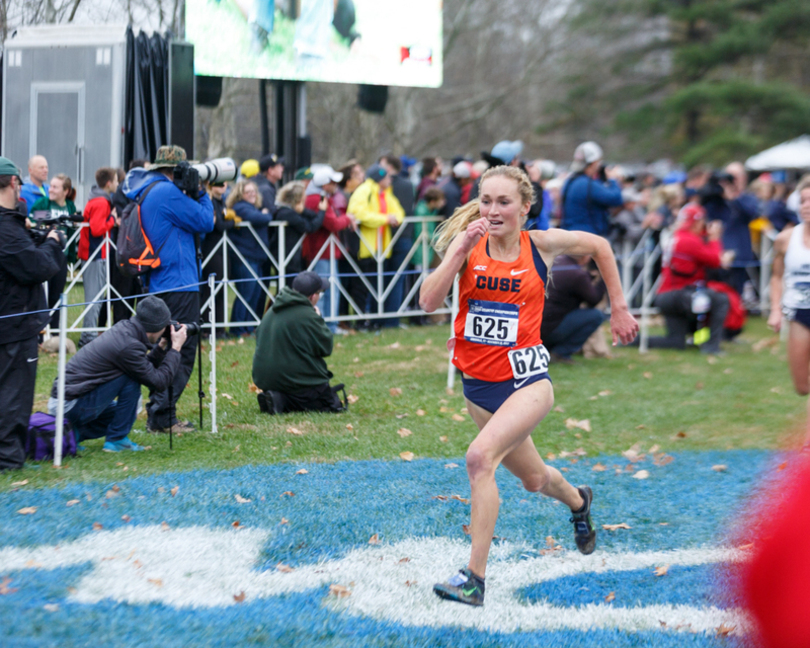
<point x="491" y="323"/>
<point x="529" y="361"/>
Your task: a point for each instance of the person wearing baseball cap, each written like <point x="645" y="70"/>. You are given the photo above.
<point x="697" y="247"/>
<point x="589" y="192"/>
<point x="292" y="343"/>
<point x="271" y="171"/>
<point x="24" y="265"/>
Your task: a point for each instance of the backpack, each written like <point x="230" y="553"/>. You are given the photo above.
<point x="135" y="255"/>
<point x="40" y="438"/>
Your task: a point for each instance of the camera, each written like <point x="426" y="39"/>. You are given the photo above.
<point x="188" y="177"/>
<point x="44" y="223"/>
<point x="713" y="190"/>
<point x="193" y="328"/>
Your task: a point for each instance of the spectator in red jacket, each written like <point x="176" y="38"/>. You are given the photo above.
<point x="324" y="184"/>
<point x="101" y="217"/>
<point x="696" y="247"/>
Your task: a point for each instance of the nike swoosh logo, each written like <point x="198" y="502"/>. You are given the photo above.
<point x="468" y="592"/>
<point x="32" y="359"/>
<point x="517" y="272"/>
<point x="518" y="385"/>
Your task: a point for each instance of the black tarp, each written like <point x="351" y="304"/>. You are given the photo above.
<point x="147" y="95"/>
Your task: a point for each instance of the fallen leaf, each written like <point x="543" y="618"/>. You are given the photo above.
<point x="284" y="521"/>
<point x="20" y="483"/>
<point x="443" y="439"/>
<point x="72" y="502"/>
<point x="458" y="417"/>
<point x="441" y="498"/>
<point x="663" y="459"/>
<point x="288" y="494"/>
<point x="450" y="391"/>
<point x="605" y="392"/>
<point x="460" y="499"/>
<point x="295" y="431"/>
<point x="284" y="569"/>
<point x="661" y="571"/>
<point x="407" y="456"/>
<point x="776" y="390"/>
<point x="303" y="471"/>
<point x="420" y="412"/>
<point x="551" y="456"/>
<point x="339" y="590"/>
<point x="451" y="465"/>
<point x="234" y="363"/>
<point x="236" y="524"/>
<point x="51" y="607"/>
<point x="410" y="582"/>
<point x="402" y="416"/>
<point x="358" y="374"/>
<point x="593" y="398"/>
<point x="711" y="359"/>
<point x="164" y="526"/>
<point x="395" y="345"/>
<point x="647" y="374"/>
<point x="404" y="560"/>
<point x="614" y="527"/>
<point x="126" y="518"/>
<point x="27" y="510"/>
<point x="654" y="449"/>
<point x="404" y="432"/>
<point x="466" y="528"/>
<point x="727" y="371"/>
<point x="579" y="452"/>
<point x="253" y="389"/>
<point x="699" y="385"/>
<point x="355" y="359"/>
<point x="288" y="444"/>
<point x="610" y="597"/>
<point x="563" y="469"/>
<point x="4" y="588"/>
<point x="116" y="488"/>
<point x="375" y="539"/>
<point x="174" y="490"/>
<point x="395" y="391"/>
<point x="681" y="435"/>
<point x="97" y="526"/>
<point x="720" y="468"/>
<point x="352" y="399"/>
<point x="598" y="467"/>
<point x="641" y="474"/>
<point x="445" y="410"/>
<point x="239" y="598"/>
<point x="572" y="423"/>
<point x="641" y="427"/>
<point x="764" y="343"/>
<point x="240" y="499"/>
<point x="155" y="581"/>
<point x="228" y="396"/>
<point x="349" y="426"/>
<point x="725" y="630"/>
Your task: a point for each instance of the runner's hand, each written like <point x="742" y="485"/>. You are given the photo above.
<point x="775" y="321"/>
<point x="623" y="326"/>
<point x="475" y="231"/>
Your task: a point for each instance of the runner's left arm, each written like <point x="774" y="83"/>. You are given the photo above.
<point x="554" y="242"/>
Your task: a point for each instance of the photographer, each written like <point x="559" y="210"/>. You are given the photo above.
<point x="172" y="220"/>
<point x="24" y="264"/>
<point x="103" y="380"/>
<point x="589" y="192"/>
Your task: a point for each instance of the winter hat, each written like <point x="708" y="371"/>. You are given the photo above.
<point x="308" y="283"/>
<point x="153" y="313"/>
<point x="8" y="168"/>
<point x="585" y="154"/>
<point x="376" y="172"/>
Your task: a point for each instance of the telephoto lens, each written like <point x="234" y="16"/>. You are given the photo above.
<point x="217" y="171"/>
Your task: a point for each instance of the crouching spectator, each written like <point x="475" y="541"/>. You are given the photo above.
<point x="103" y="380"/>
<point x="566" y="326"/>
<point x="695" y="248"/>
<point x="291" y="344"/>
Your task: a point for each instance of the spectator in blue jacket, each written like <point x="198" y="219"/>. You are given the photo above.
<point x="172" y="220"/>
<point x="246" y="202"/>
<point x="35" y="185"/>
<point x="587" y="195"/>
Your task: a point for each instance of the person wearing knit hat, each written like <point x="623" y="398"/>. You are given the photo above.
<point x="103" y="380"/>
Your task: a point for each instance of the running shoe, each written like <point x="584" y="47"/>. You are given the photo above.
<point x="122" y="445"/>
<point x="584" y="532"/>
<point x="464" y="587"/>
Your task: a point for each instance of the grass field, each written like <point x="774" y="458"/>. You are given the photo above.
<point x="676" y="400"/>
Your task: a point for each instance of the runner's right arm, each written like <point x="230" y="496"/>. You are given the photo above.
<point x="777" y="272"/>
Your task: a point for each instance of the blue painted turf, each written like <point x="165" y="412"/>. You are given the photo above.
<point x="336" y="508"/>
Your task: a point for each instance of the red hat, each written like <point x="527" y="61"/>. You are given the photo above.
<point x="690" y="214"/>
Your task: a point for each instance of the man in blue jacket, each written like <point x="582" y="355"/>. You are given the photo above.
<point x="172" y="221"/>
<point x="586" y="197"/>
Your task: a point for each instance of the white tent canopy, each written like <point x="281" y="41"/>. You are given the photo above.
<point x="794" y="154"/>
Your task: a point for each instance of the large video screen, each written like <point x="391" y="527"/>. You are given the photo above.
<point x="377" y="42"/>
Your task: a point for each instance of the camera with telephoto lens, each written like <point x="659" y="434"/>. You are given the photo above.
<point x="188" y="177"/>
<point x="192" y="328"/>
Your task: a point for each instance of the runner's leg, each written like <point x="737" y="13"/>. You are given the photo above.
<point x="799" y="360"/>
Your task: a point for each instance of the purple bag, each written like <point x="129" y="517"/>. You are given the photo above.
<point x="41" y="433"/>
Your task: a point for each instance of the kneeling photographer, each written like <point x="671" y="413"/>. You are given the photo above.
<point x="175" y="210"/>
<point x="25" y="262"/>
<point x="103" y="380"/>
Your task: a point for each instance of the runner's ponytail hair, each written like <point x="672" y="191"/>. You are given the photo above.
<point x="470" y="212"/>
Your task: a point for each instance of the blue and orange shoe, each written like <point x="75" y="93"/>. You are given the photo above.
<point x="464" y="587"/>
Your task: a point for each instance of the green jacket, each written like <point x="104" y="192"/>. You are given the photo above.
<point x="423" y="210"/>
<point x="291" y="344"/>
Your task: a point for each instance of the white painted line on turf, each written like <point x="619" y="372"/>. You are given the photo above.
<point x="199" y="567"/>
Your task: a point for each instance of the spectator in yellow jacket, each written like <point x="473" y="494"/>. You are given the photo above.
<point x="376" y="209"/>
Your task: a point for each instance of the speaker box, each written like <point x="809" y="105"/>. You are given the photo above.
<point x="304" y="151"/>
<point x="209" y="91"/>
<point x="372" y="98"/>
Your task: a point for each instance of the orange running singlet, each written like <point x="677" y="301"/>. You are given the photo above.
<point x="500" y="310"/>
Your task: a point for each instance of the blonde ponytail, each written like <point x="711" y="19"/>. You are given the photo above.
<point x="453" y="226"/>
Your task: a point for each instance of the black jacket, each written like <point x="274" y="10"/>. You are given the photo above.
<point x="24" y="265"/>
<point x="297" y="225"/>
<point x="569" y="286"/>
<point x="267" y="190"/>
<point x="121" y="350"/>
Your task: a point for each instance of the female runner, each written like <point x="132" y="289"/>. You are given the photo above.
<point x="791" y="262"/>
<point x="503" y="272"/>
